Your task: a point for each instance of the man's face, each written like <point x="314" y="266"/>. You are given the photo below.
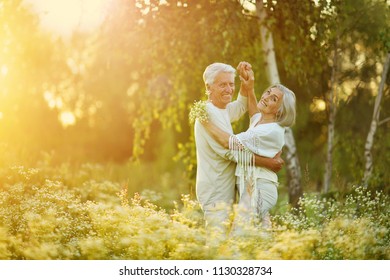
<point x="222" y="90"/>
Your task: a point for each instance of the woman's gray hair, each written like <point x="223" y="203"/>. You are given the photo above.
<point x="214" y="69"/>
<point x="287" y="111"/>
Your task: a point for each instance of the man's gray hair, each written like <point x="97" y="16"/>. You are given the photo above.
<point x="287" y="111"/>
<point x="214" y="69"/>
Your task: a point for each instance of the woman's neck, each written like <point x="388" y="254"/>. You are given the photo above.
<point x="269" y="118"/>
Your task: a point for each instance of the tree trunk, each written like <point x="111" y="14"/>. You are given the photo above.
<point x="292" y="162"/>
<point x="374" y="124"/>
<point x="331" y="121"/>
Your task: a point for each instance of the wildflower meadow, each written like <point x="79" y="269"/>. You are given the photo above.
<point x="57" y="213"/>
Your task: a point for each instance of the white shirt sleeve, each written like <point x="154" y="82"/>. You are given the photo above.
<point x="236" y="109"/>
<point x="264" y="140"/>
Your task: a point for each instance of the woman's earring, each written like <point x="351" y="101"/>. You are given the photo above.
<point x="207" y="92"/>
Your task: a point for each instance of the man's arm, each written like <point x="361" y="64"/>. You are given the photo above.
<point x="239" y="107"/>
<point x="275" y="164"/>
<point x="221" y="136"/>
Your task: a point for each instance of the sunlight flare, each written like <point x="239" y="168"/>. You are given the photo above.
<point x="64" y="17"/>
<point x="67" y="118"/>
<point x="317" y="105"/>
<point x="4" y="70"/>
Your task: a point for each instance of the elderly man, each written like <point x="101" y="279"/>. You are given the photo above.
<point x="215" y="178"/>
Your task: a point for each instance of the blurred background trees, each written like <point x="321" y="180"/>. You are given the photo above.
<point x="121" y="90"/>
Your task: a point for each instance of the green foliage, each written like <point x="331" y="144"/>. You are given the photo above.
<point x="306" y="35"/>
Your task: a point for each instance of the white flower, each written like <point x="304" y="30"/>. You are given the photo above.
<point x="198" y="111"/>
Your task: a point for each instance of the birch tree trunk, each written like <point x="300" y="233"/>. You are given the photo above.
<point x="374" y="124"/>
<point x="292" y="162"/>
<point x="331" y="121"/>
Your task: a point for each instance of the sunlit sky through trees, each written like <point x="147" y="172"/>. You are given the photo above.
<point x="63" y="17"/>
<point x="104" y="79"/>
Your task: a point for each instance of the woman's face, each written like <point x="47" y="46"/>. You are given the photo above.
<point x="270" y="101"/>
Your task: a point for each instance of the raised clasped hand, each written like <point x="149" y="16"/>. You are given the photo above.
<point x="246" y="74"/>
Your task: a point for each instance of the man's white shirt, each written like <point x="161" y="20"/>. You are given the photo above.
<point x="215" y="177"/>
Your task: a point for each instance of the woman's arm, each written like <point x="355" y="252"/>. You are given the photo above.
<point x="247" y="87"/>
<point x="252" y="103"/>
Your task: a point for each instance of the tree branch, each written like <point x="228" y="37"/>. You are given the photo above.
<point x="383" y="121"/>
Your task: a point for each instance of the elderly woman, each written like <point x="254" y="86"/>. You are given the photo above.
<point x="264" y="137"/>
